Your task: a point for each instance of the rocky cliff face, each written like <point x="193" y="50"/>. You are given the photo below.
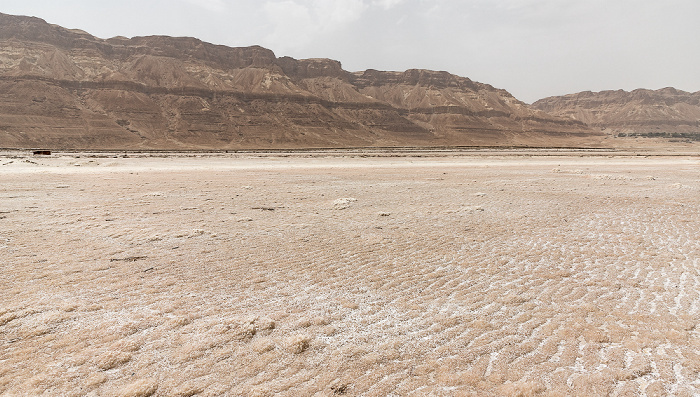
<point x="64" y="88"/>
<point x="664" y="112"/>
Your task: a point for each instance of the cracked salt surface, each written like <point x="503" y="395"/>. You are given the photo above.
<point x="576" y="283"/>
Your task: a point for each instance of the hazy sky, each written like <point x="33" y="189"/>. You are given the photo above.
<point x="532" y="48"/>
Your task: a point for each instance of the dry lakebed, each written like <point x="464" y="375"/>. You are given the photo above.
<point x="482" y="273"/>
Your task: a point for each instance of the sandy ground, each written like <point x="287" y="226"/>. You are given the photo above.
<point x="323" y="274"/>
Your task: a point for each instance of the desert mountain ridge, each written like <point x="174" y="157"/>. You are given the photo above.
<point x="663" y="112"/>
<point x="64" y="88"/>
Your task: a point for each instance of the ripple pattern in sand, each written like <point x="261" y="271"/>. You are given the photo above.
<point x="452" y="280"/>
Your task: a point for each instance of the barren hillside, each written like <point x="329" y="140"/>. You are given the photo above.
<point x="64" y="88"/>
<point x="665" y="112"/>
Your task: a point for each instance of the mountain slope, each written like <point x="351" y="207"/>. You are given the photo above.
<point x="63" y="88"/>
<point x="662" y="112"/>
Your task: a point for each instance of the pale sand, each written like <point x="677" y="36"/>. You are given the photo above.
<point x="318" y="274"/>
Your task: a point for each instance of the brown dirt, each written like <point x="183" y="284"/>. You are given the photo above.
<point x="472" y="273"/>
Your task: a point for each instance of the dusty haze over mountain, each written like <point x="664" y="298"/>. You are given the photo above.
<point x="64" y="88"/>
<point x="662" y="112"/>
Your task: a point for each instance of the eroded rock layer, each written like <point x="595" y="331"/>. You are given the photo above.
<point x="665" y="112"/>
<point x="66" y="89"/>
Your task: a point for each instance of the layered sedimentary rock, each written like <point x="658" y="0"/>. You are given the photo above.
<point x="665" y="112"/>
<point x="64" y="88"/>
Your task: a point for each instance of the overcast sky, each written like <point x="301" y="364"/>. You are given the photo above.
<point x="532" y="48"/>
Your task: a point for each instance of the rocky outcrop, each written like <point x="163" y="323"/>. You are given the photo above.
<point x="665" y="112"/>
<point x="62" y="88"/>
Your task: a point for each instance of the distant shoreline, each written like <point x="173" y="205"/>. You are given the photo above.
<point x="372" y="152"/>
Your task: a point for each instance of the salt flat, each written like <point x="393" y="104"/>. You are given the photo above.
<point x="331" y="274"/>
